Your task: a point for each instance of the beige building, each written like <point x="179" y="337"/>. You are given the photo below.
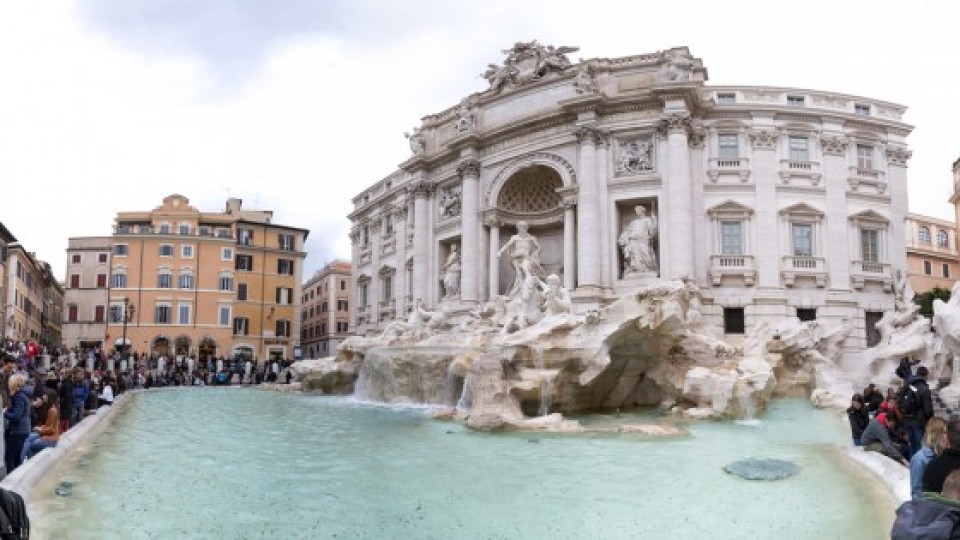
<point x="932" y="259"/>
<point x="205" y="284"/>
<point x="326" y="309"/>
<point x="6" y="238"/>
<point x="25" y="299"/>
<point x="86" y="293"/>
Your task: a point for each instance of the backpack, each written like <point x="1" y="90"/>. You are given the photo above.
<point x="908" y="400"/>
<point x="14" y="523"/>
<point x="926" y="519"/>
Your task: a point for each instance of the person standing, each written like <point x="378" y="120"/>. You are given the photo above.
<point x="17" y="417"/>
<point x="65" y="391"/>
<point x="857" y="415"/>
<point x="916" y="406"/>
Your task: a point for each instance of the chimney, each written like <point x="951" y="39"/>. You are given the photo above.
<point x="233" y="205"/>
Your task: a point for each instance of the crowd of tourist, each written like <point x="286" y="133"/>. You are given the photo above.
<point x="41" y="403"/>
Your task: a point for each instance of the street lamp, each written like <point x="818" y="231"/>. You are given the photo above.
<point x="128" y="310"/>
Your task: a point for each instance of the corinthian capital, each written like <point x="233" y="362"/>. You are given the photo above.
<point x="591" y="135"/>
<point x="469" y="167"/>
<point x="421" y="189"/>
<point x="674" y="123"/>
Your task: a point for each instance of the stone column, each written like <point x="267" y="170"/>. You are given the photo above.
<point x="469" y="230"/>
<point x="679" y="246"/>
<point x="603" y="198"/>
<point x="374" y="293"/>
<point x="420" y="192"/>
<point x="494" y="258"/>
<point x="588" y="214"/>
<point x="400" y="243"/>
<point x="569" y="244"/>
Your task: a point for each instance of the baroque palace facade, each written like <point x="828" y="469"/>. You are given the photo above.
<point x="180" y="282"/>
<point x="777" y="202"/>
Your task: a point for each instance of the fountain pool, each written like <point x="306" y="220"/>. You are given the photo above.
<point x="232" y="463"/>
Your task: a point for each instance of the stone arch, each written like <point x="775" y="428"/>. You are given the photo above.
<point x="561" y="166"/>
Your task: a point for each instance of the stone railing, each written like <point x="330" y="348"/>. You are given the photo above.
<point x="801" y="266"/>
<point x="867" y="177"/>
<point x="863" y="272"/>
<point x="717" y="167"/>
<point x="803" y="169"/>
<point x="732" y="266"/>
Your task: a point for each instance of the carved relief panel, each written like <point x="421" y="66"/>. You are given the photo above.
<point x="635" y="156"/>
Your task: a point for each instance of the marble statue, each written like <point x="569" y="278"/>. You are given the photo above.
<point x="678" y="66"/>
<point x="556" y="299"/>
<point x="636" y="242"/>
<point x="451" y="273"/>
<point x="419" y="323"/>
<point x="465" y="116"/>
<point x="583" y="82"/>
<point x="526" y="62"/>
<point x="523" y="309"/>
<point x="524" y="251"/>
<point x="417" y="144"/>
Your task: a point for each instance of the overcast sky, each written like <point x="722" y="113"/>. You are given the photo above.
<point x="297" y="105"/>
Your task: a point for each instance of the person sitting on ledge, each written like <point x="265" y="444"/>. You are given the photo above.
<point x="948" y="461"/>
<point x="876" y="437"/>
<point x="106" y="394"/>
<point x="934" y="441"/>
<point x="47" y="434"/>
<point x="857" y="415"/>
<point x="937" y="515"/>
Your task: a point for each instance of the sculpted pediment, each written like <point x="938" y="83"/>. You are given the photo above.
<point x="801" y="210"/>
<point x="730" y="208"/>
<point x="870" y="216"/>
<point x="527" y="62"/>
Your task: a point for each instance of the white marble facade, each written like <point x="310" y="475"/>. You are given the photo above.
<point x="776" y="201"/>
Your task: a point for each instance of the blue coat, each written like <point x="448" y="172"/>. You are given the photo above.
<point x="18" y="415"/>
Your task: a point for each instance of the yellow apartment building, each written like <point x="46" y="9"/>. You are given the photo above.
<point x="25" y="296"/>
<point x="205" y="284"/>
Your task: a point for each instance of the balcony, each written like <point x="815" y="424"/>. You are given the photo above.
<point x="795" y="267"/>
<point x="863" y="272"/>
<point x="871" y="178"/>
<point x="790" y="169"/>
<point x="736" y="266"/>
<point x="739" y="167"/>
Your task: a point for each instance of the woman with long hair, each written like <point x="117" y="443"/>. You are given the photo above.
<point x="17" y="416"/>
<point x="934" y="441"/>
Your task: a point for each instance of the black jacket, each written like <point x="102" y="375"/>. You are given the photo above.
<point x="938" y="469"/>
<point x="858" y="421"/>
<point x="926" y="520"/>
<point x="926" y="404"/>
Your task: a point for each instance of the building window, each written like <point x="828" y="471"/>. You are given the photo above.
<point x="726" y="98"/>
<point x="101" y="281"/>
<point x="244" y="237"/>
<point x="186" y="251"/>
<point x="244" y="262"/>
<point x="923" y="235"/>
<point x="343" y="284"/>
<point x="323" y="307"/>
<point x="943" y="239"/>
<point x="226" y="254"/>
<point x="186" y="281"/>
<point x="363" y="295"/>
<point x="283" y="328"/>
<point x="166" y="250"/>
<point x="796" y="101"/>
<point x="802" y="234"/>
<point x="164" y="228"/>
<point x="807" y="314"/>
<point x="799" y="149"/>
<point x="865" y="157"/>
<point x="241" y="326"/>
<point x="284" y="295"/>
<point x="184" y="229"/>
<point x="341" y="326"/>
<point x="387" y="288"/>
<point x="945" y="270"/>
<point x="733" y="321"/>
<point x="871" y="318"/>
<point x="728" y="146"/>
<point x="72" y="312"/>
<point x="203" y="231"/>
<point x="286" y="242"/>
<point x="223" y="233"/>
<point x="74" y="281"/>
<point x="164" y="281"/>
<point x="98" y="313"/>
<point x="102" y="258"/>
<point x="241" y="291"/>
<point x="120" y="250"/>
<point x="183" y="315"/>
<point x="118" y="281"/>
<point x="860" y="109"/>
<point x="161" y="314"/>
<point x="285" y="267"/>
<point x="116" y="313"/>
<point x="342" y="305"/>
<point x="226" y="283"/>
<point x="927" y="268"/>
<point x="388" y="224"/>
<point x="75" y="258"/>
<point x="870" y="245"/>
<point x="731" y="237"/>
<point x="224" y="318"/>
<point x="366" y="235"/>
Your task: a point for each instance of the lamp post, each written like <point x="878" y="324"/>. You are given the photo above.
<point x="128" y="310"/>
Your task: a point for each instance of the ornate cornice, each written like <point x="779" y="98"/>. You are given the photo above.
<point x="421" y="189"/>
<point x="469" y="167"/>
<point x="763" y="139"/>
<point x="897" y="155"/>
<point x="591" y="134"/>
<point x="834" y="145"/>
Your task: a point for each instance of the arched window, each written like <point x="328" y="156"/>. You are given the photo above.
<point x="943" y="239"/>
<point x="923" y="235"/>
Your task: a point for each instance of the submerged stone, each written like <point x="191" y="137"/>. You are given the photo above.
<point x="762" y="469"/>
<point x="64" y="489"/>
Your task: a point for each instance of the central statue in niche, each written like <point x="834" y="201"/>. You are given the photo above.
<point x="636" y="241"/>
<point x="524" y="251"/>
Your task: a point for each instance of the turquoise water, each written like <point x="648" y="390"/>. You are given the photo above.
<point x="231" y="463"/>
